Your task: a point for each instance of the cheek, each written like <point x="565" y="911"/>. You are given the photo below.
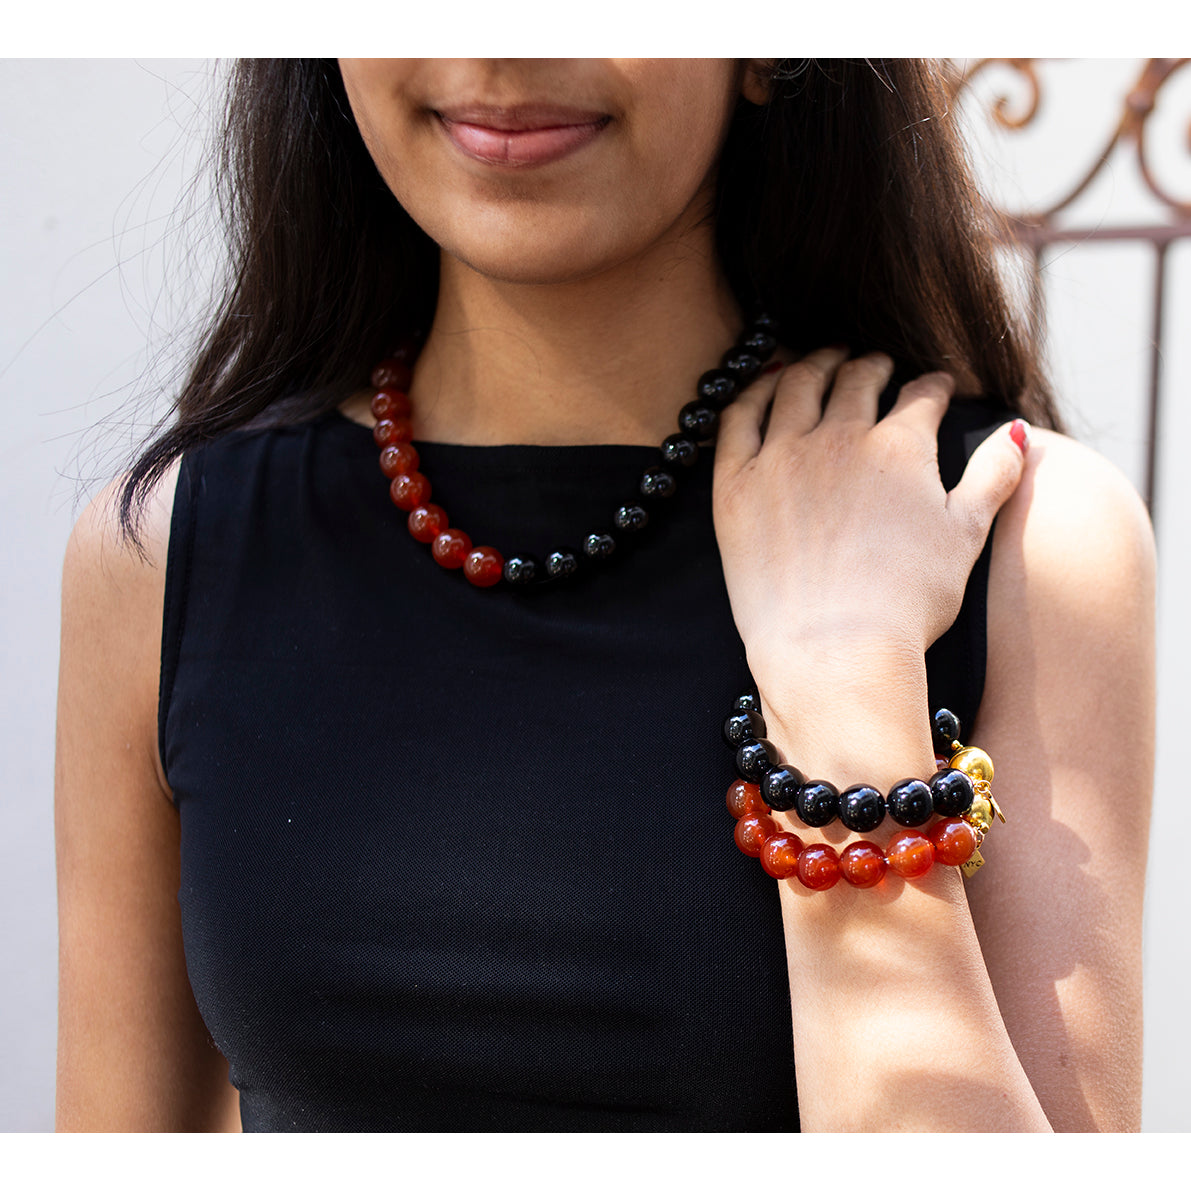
<point x="683" y="116"/>
<point x="376" y="90"/>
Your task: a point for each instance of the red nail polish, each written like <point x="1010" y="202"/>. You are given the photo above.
<point x="772" y="366"/>
<point x="1020" y="433"/>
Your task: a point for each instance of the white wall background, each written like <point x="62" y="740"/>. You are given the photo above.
<point x="96" y="159"/>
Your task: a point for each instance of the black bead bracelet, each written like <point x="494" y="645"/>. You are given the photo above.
<point x="860" y="808"/>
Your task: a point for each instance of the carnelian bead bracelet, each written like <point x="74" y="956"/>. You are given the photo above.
<point x="484" y="566"/>
<point x="963" y="800"/>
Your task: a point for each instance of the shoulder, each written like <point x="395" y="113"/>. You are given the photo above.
<point x="113" y="591"/>
<point x="1077" y="529"/>
<point x="103" y="559"/>
<point x="1072" y="585"/>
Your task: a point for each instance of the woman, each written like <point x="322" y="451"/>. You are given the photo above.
<point x="456" y="858"/>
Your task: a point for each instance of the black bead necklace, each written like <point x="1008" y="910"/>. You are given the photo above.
<point x="484" y="566"/>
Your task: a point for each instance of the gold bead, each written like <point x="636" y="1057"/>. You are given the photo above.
<point x="976" y="763"/>
<point x="980" y="814"/>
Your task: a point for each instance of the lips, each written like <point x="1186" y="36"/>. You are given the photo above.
<point x="525" y="135"/>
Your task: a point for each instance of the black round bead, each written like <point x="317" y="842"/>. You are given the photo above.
<point x="742" y="364"/>
<point x="747" y="702"/>
<point x="520" y="572"/>
<point x="910" y="803"/>
<point x="754" y="759"/>
<point x="698" y="420"/>
<point x="861" y="808"/>
<point x="780" y="787"/>
<point x="952" y="792"/>
<point x="817" y="803"/>
<point x="680" y="450"/>
<point x="631" y="518"/>
<point x="658" y="483"/>
<point x="599" y="545"/>
<point x="561" y="563"/>
<point x="760" y="343"/>
<point x="944" y="731"/>
<point x="764" y="322"/>
<point x="717" y="388"/>
<point x="744" y="725"/>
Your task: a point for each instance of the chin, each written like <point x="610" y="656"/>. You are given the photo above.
<point x="545" y="252"/>
<point x="546" y="268"/>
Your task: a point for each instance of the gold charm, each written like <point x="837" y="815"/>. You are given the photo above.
<point x="976" y="763"/>
<point x="972" y="864"/>
<point x="984" y="790"/>
<point x="980" y="813"/>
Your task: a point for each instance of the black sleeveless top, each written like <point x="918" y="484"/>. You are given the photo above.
<point x="458" y="859"/>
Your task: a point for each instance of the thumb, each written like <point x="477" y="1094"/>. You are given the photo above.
<point x="990" y="479"/>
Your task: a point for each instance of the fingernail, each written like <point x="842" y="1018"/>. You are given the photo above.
<point x="772" y="366"/>
<point x="1020" y="433"/>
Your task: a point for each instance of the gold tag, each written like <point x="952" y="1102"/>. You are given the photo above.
<point x="972" y="863"/>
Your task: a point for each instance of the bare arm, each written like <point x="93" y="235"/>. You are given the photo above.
<point x="1069" y="707"/>
<point x="912" y="1012"/>
<point x="133" y="1053"/>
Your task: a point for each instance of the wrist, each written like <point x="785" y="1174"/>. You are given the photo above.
<point x="863" y="716"/>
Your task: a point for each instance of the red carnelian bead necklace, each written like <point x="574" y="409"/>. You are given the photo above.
<point x="410" y="490"/>
<point x="484" y="566"/>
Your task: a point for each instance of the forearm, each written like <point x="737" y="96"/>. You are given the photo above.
<point x="896" y="1026"/>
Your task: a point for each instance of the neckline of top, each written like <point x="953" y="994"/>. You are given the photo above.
<point x="512" y="452"/>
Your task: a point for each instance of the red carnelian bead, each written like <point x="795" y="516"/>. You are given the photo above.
<point x="393" y="430"/>
<point x="818" y="866"/>
<point x="450" y="548"/>
<point x="426" y="522"/>
<point x="954" y="841"/>
<point x="398" y="459"/>
<point x="744" y="798"/>
<point x="391" y="374"/>
<point x="752" y="831"/>
<point x="862" y="864"/>
<point x="409" y="490"/>
<point x="391" y="403"/>
<point x="484" y="566"/>
<point x="910" y="854"/>
<point x="779" y="855"/>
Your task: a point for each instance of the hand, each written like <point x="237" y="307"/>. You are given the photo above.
<point x="841" y="548"/>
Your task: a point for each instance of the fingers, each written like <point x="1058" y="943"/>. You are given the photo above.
<point x="798" y="402"/>
<point x="856" y="389"/>
<point x="739" y="436"/>
<point x="989" y="480"/>
<point x="922" y="402"/>
<point x="796" y="405"/>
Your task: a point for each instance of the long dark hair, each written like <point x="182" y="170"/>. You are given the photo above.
<point x="845" y="208"/>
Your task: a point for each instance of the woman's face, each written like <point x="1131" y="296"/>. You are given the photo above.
<point x="537" y="170"/>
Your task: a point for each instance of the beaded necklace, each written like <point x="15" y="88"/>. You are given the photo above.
<point x="484" y="566"/>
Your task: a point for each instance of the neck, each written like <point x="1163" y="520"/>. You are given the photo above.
<point x="605" y="359"/>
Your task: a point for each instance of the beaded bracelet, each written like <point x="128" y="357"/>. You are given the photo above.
<point x="960" y="792"/>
